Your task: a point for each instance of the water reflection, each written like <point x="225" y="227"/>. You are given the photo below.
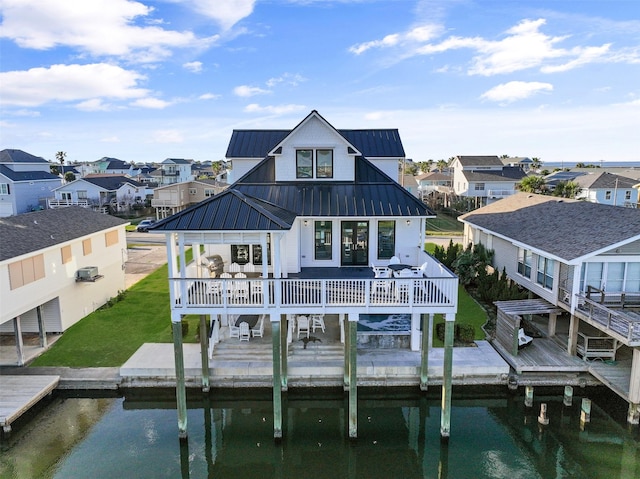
<point x="231" y="436"/>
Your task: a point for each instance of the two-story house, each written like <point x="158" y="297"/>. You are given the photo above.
<point x="584" y="259"/>
<point x="173" y="170"/>
<point x="113" y="191"/>
<point x="57" y="266"/>
<point x="170" y="199"/>
<point x="484" y="179"/>
<point x="608" y="189"/>
<point x="313" y="214"/>
<point x="25" y="182"/>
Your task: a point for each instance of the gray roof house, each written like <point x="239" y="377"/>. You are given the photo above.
<point x="608" y="188"/>
<point x="582" y="258"/>
<point x="25" y="182"/>
<point x="313" y="213"/>
<point x="99" y="191"/>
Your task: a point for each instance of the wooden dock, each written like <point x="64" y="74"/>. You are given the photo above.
<point x="19" y="393"/>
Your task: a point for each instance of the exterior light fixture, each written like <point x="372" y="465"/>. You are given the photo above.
<point x="408" y="222"/>
<point x="306" y="222"/>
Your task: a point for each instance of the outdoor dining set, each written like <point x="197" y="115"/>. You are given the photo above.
<point x="396" y="270"/>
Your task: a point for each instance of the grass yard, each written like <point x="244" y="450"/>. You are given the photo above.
<point x="444" y="225"/>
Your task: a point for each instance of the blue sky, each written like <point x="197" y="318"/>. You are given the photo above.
<point x="149" y="80"/>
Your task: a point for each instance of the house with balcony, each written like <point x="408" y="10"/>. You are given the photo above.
<point x="582" y="260"/>
<point x="170" y="199"/>
<point x="56" y="267"/>
<point x="173" y="170"/>
<point x="483" y="179"/>
<point x="298" y="242"/>
<point x="104" y="192"/>
<point x="25" y="182"/>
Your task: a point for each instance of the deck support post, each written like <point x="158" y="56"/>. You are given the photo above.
<point x="551" y="327"/>
<point x="42" y="327"/>
<point x="633" y="417"/>
<point x="445" y="418"/>
<point x="284" y="348"/>
<point x="573" y="335"/>
<point x="543" y="418"/>
<point x="181" y="392"/>
<point x="528" y="396"/>
<point x="345" y="333"/>
<point x="567" y="399"/>
<point x="585" y="411"/>
<point x="277" y="382"/>
<point x="204" y="352"/>
<point x="17" y="331"/>
<point x="424" y="351"/>
<point x="353" y="376"/>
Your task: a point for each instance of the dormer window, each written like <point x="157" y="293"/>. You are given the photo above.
<point x="323" y="163"/>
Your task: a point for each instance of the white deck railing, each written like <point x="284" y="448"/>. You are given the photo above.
<point x="56" y="203"/>
<point x="314" y="293"/>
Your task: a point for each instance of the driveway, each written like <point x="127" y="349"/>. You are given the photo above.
<point x="143" y="260"/>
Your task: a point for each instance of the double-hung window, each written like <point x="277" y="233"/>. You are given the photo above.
<point x="4" y="188"/>
<point x="524" y="262"/>
<point x="479" y="186"/>
<point x="323" y="163"/>
<point x="545" y="272"/>
<point x="386" y="239"/>
<point x="304" y="163"/>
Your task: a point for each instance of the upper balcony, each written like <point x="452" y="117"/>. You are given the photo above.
<point x="58" y="203"/>
<point x="500" y="193"/>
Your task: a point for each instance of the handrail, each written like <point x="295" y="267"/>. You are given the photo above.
<point x="614" y="320"/>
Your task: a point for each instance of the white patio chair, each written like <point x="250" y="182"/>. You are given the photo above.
<point x="420" y="271"/>
<point x="394" y="260"/>
<point x="249" y="268"/>
<point x="523" y="339"/>
<point x="317" y="322"/>
<point x="234" y="268"/>
<point x="381" y="272"/>
<point x="303" y="326"/>
<point x="241" y="291"/>
<point x="234" y="331"/>
<point x="258" y="329"/>
<point x="245" y="335"/>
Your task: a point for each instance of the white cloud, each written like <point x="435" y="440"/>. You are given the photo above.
<point x="226" y="12"/>
<point x="273" y="109"/>
<point x="153" y="103"/>
<point x="193" y="67"/>
<point x="208" y="96"/>
<point x="95" y="104"/>
<point x="515" y="90"/>
<point x="110" y="139"/>
<point x="97" y="27"/>
<point x="62" y="83"/>
<point x="287" y="79"/>
<point x="167" y="136"/>
<point x="248" y="91"/>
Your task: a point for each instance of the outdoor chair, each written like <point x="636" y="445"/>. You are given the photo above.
<point x="258" y="329"/>
<point x="234" y="331"/>
<point x="245" y="335"/>
<point x="317" y="322"/>
<point x="303" y="326"/>
<point x="381" y="272"/>
<point x="394" y="260"/>
<point x="234" y="268"/>
<point x="249" y="268"/>
<point x="420" y="271"/>
<point x="241" y="291"/>
<point x="523" y="339"/>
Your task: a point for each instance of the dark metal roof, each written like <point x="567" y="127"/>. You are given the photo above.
<point x="27" y="175"/>
<point x="19" y="156"/>
<point x="371" y="143"/>
<point x="111" y="183"/>
<point x="30" y="232"/>
<point x="230" y="210"/>
<point x="508" y="173"/>
<point x="564" y="228"/>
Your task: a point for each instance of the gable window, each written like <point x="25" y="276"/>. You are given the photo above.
<point x="386" y="239"/>
<point x="323" y="233"/>
<point x="607" y="195"/>
<point x="479" y="186"/>
<point x="304" y="163"/>
<point x="4" y="189"/>
<point x="82" y="194"/>
<point x="524" y="262"/>
<point x="66" y="195"/>
<point x="545" y="272"/>
<point x="324" y="163"/>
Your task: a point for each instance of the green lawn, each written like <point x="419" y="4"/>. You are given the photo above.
<point x="444" y="225"/>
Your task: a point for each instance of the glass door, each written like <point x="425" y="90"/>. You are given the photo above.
<point x="355" y="243"/>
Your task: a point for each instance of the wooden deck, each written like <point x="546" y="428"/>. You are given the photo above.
<point x="19" y="393"/>
<point x="615" y="375"/>
<point x="542" y="355"/>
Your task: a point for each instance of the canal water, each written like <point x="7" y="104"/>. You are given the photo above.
<point x="493" y="435"/>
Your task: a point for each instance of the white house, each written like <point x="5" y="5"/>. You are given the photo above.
<point x="608" y="189"/>
<point x="484" y="178"/>
<point x="57" y="266"/>
<point x="115" y="191"/>
<point x="309" y="222"/>
<point x="583" y="258"/>
<point x="173" y="170"/>
<point x="25" y="182"/>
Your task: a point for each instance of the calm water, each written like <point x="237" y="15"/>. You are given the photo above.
<point x="493" y="435"/>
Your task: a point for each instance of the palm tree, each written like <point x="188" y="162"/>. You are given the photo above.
<point x="536" y="163"/>
<point x="60" y="156"/>
<point x="442" y="165"/>
<point x="533" y="184"/>
<point x="567" y="189"/>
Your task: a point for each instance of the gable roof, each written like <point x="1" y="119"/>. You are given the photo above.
<point x="115" y="164"/>
<point x="30" y="232"/>
<point x="562" y="228"/>
<point x="27" y="175"/>
<point x="176" y="161"/>
<point x="492" y="160"/>
<point x="508" y="173"/>
<point x="19" y="156"/>
<point x="110" y="183"/>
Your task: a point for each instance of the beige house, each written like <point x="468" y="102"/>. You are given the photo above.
<point x="57" y="266"/>
<point x="170" y="199"/>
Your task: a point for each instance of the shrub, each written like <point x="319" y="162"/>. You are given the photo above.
<point x="465" y="333"/>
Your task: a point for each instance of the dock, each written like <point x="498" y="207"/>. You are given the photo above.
<point x="19" y="393"/>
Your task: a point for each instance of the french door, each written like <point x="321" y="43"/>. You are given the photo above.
<point x="355" y="243"/>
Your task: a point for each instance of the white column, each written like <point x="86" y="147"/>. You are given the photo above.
<point x="415" y="332"/>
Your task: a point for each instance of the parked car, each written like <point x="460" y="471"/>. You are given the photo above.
<point x="144" y="225"/>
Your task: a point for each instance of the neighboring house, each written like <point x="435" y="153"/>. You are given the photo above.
<point x="608" y="189"/>
<point x="484" y="178"/>
<point x="116" y="192"/>
<point x="311" y="215"/>
<point x="57" y="266"/>
<point x="170" y="199"/>
<point x="520" y="161"/>
<point x="173" y="170"/>
<point x="113" y="166"/>
<point x="434" y="187"/>
<point x="25" y="182"/>
<point x="410" y="183"/>
<point x="581" y="257"/>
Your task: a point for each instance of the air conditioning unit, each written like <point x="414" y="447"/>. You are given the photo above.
<point x="88" y="273"/>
